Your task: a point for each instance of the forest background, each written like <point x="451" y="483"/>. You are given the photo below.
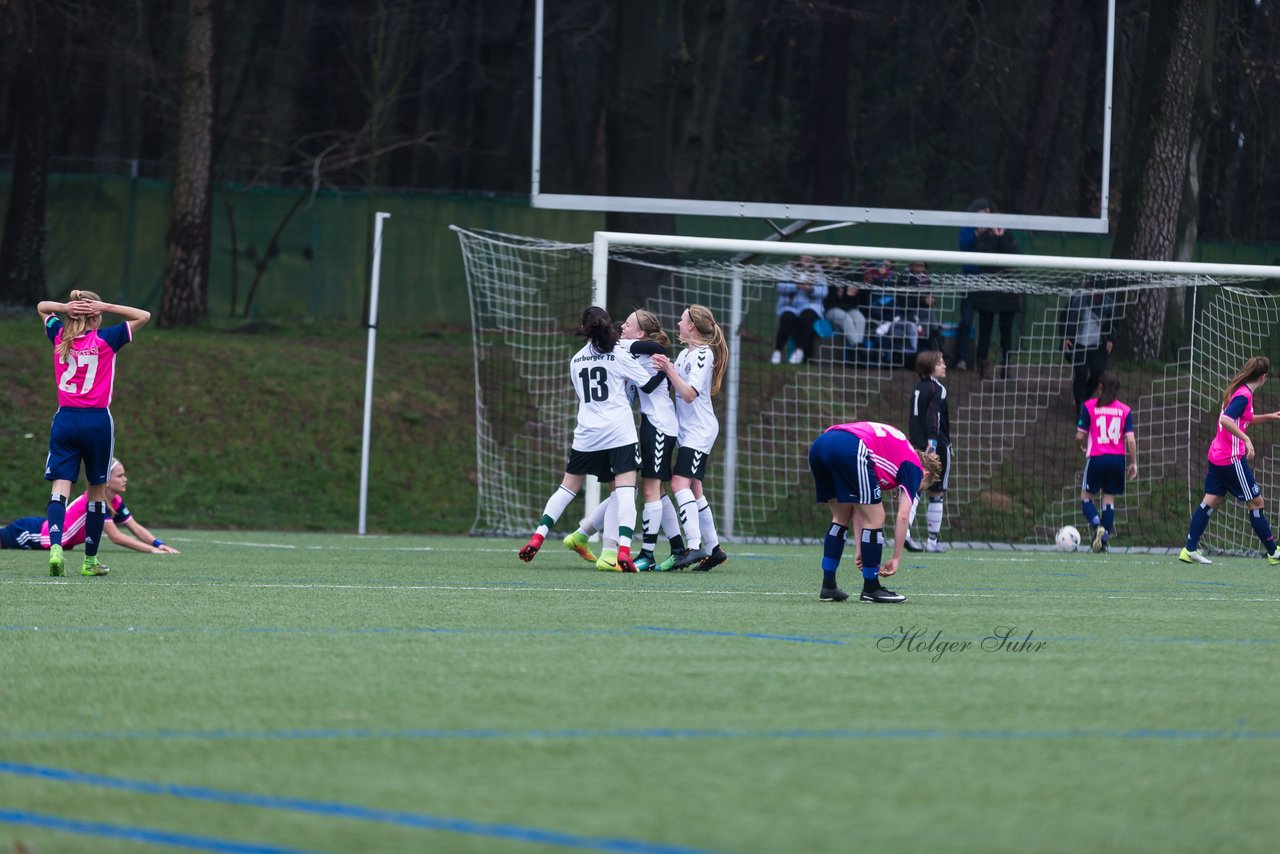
<point x="220" y="161"/>
<point x="232" y="129"/>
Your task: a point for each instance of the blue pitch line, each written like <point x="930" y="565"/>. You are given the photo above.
<point x="650" y="733"/>
<point x="140" y="834"/>
<point x="830" y="639"/>
<point x="751" y="635"/>
<point x="330" y="809"/>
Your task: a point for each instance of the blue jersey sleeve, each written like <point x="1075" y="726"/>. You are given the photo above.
<point x="1128" y="423"/>
<point x="122" y="515"/>
<point x="909" y="478"/>
<point x="116" y="336"/>
<point x="51" y="327"/>
<point x="1236" y="407"/>
<point x="1082" y="420"/>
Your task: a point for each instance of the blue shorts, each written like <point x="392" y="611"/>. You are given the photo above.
<point x="80" y="435"/>
<point x="1236" y="478"/>
<point x="842" y="469"/>
<point x="22" y="533"/>
<point x="1104" y="473"/>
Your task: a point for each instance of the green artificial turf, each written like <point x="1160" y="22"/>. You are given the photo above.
<point x="335" y="693"/>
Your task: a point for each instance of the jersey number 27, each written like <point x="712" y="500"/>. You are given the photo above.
<point x="88" y="361"/>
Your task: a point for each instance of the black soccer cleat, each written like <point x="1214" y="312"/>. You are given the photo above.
<point x="881" y="595"/>
<point x="692" y="557"/>
<point x="712" y="560"/>
<point x="911" y="545"/>
<point x="832" y="594"/>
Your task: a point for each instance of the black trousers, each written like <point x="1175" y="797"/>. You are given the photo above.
<point x="985" y="319"/>
<point x="1086" y="369"/>
<point x="799" y="328"/>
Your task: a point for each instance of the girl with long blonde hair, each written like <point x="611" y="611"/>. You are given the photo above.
<point x="83" y="432"/>
<point x="696" y="376"/>
<point x="1229" y="455"/>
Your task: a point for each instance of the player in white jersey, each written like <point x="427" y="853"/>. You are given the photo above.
<point x="604" y="440"/>
<point x="643" y="336"/>
<point x="696" y="376"/>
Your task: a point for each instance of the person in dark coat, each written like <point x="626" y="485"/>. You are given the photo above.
<point x="992" y="304"/>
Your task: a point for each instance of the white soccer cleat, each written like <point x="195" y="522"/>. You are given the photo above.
<point x="1193" y="557"/>
<point x="776" y="358"/>
<point x="934" y="546"/>
<point x="797" y="356"/>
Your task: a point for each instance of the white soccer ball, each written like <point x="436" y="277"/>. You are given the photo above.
<point x="1067" y="539"/>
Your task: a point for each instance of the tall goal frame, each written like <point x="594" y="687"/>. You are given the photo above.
<point x="770" y="414"/>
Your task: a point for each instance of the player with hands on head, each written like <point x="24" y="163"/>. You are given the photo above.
<point x="851" y="463"/>
<point x="1229" y="455"/>
<point x="83" y="431"/>
<point x="1104" y="434"/>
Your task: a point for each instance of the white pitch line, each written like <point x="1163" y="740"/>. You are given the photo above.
<point x="517" y="587"/>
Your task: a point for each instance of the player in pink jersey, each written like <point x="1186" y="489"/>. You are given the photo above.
<point x="32" y="532"/>
<point x="851" y="463"/>
<point x="1229" y="456"/>
<point x="1104" y="434"/>
<point x="82" y="431"/>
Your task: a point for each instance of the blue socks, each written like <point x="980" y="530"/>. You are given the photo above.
<point x="1262" y="528"/>
<point x="94" y="517"/>
<point x="1090" y="513"/>
<point x="1109" y="518"/>
<point x="1199" y="521"/>
<point x="872" y="550"/>
<point x="57" y="514"/>
<point x="832" y="549"/>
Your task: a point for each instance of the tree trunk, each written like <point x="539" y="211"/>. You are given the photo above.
<point x="186" y="274"/>
<point x="22" y="279"/>
<point x="1054" y="69"/>
<point x="1157" y="168"/>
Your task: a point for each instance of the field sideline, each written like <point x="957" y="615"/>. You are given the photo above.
<point x="309" y="692"/>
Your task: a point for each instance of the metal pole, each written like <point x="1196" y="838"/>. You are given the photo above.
<point x="731" y="407"/>
<point x="375" y="274"/>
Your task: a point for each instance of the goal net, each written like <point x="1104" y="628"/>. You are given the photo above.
<point x="1016" y="473"/>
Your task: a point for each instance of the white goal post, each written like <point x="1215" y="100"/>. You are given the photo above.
<point x="1016" y="477"/>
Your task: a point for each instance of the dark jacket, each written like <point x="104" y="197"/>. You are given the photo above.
<point x="989" y="241"/>
<point x="1089" y="320"/>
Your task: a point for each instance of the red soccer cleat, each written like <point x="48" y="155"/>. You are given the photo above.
<point x="531" y="548"/>
<point x="625" y="563"/>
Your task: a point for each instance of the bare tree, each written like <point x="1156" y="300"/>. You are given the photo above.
<point x="186" y="275"/>
<point x="1157" y="165"/>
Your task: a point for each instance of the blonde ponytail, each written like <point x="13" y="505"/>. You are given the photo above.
<point x="74" y="327"/>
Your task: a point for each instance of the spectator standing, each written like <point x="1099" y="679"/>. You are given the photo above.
<point x="1087" y="329"/>
<point x="992" y="304"/>
<point x="968" y="243"/>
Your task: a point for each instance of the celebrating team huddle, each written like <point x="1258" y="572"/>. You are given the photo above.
<point x="605" y="373"/>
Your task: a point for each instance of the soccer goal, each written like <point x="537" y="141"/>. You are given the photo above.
<point x="1016" y="476"/>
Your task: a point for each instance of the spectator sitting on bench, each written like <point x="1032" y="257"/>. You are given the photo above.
<point x="799" y="306"/>
<point x="846" y="305"/>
